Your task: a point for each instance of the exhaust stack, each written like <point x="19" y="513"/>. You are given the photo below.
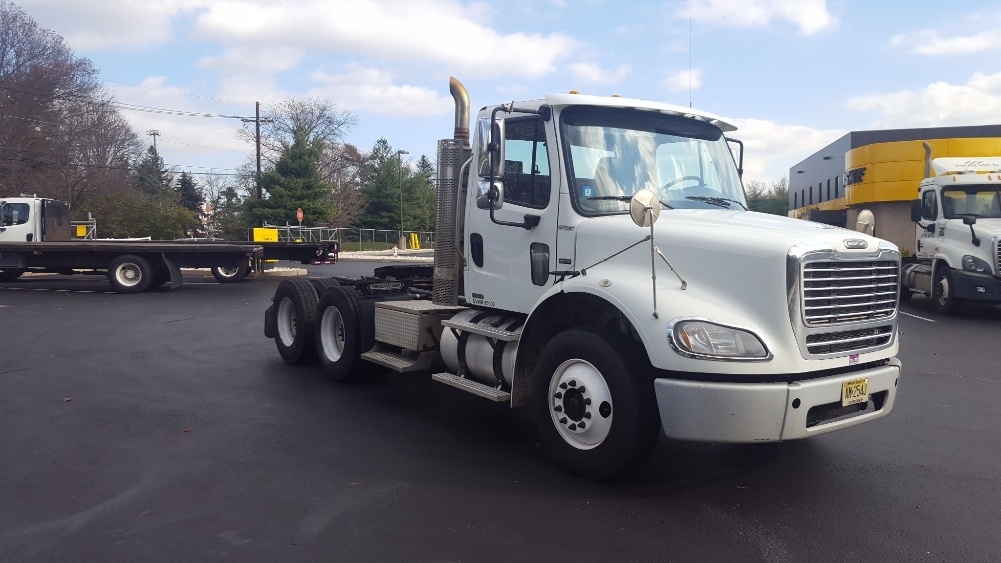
<point x="461" y="97"/>
<point x="451" y="154"/>
<point x="927" y="159"/>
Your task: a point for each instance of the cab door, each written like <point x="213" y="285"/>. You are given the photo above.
<point x="499" y="263"/>
<point x="930" y="215"/>
<point x="17" y="221"/>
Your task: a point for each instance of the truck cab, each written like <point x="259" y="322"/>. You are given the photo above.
<point x="957" y="220"/>
<point x="32" y="219"/>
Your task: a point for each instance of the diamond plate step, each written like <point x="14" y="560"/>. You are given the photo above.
<point x="489" y="331"/>
<point x="398" y="362"/>
<point x="474" y="387"/>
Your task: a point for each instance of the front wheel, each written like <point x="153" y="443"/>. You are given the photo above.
<point x="594" y="403"/>
<point x="946" y="301"/>
<point x="130" y="274"/>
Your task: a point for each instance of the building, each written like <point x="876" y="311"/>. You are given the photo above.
<point x="879" y="171"/>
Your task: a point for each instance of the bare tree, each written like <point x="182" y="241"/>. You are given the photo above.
<point x="60" y="135"/>
<point x="344" y="167"/>
<point x="318" y="120"/>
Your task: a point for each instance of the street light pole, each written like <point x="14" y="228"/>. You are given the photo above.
<point x="399" y="175"/>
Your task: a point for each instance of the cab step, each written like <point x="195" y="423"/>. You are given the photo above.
<point x="474" y="387"/>
<point x="488" y="331"/>
<point x="398" y="362"/>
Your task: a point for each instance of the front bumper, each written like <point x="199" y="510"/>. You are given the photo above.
<point x="976" y="287"/>
<point x="769" y="412"/>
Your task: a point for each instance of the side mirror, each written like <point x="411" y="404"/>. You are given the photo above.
<point x="969" y="220"/>
<point x="915" y="210"/>
<point x="491" y="188"/>
<point x="930" y="228"/>
<point x="644" y="208"/>
<point x="488" y="195"/>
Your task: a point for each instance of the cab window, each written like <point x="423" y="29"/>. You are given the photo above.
<point x="929" y="206"/>
<point x="527" y="180"/>
<point x="15" y="214"/>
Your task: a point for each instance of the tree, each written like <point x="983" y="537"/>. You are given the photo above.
<point x="152" y="178"/>
<point x="342" y="168"/>
<point x="191" y="194"/>
<point x="424" y="197"/>
<point x="229" y="219"/>
<point x="774" y="200"/>
<point x="383" y="185"/>
<point x="60" y="135"/>
<point x="294" y="182"/>
<point x="313" y="118"/>
<point x="136" y="214"/>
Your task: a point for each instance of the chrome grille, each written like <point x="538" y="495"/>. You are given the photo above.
<point x="997" y="257"/>
<point x="834" y="342"/>
<point x="836" y="292"/>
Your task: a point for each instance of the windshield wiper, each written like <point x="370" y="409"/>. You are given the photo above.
<point x="625" y="198"/>
<point x="718" y="201"/>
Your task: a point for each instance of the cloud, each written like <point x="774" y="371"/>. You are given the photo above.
<point x="771" y="148"/>
<point x="371" y="90"/>
<point x="938" y="104"/>
<point x="445" y="32"/>
<point x="102" y="24"/>
<point x="682" y="80"/>
<point x="251" y="61"/>
<point x="809" y="16"/>
<point x="929" y="42"/>
<point x="591" y="73"/>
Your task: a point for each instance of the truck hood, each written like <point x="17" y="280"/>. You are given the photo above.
<point x="734" y="264"/>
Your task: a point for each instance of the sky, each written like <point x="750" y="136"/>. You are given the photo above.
<point x="793" y="75"/>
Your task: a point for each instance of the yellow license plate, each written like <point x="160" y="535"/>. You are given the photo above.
<point x="854" y="392"/>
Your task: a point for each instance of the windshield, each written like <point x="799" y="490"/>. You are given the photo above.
<point x="615" y="152"/>
<point x="976" y="200"/>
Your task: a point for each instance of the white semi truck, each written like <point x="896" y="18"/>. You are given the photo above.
<point x="957" y="220"/>
<point x="595" y="262"/>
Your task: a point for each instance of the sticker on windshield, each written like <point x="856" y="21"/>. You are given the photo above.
<point x="587" y="191"/>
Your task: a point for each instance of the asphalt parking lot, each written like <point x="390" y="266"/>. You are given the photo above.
<point x="164" y="426"/>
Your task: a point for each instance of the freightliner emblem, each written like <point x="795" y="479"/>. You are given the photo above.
<point x="856" y="244"/>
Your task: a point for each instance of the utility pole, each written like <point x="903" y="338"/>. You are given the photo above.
<point x="399" y="175"/>
<point x="153" y="133"/>
<point x="257" y="127"/>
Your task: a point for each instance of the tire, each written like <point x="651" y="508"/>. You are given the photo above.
<point x="617" y="405"/>
<point x="230" y="274"/>
<point x="946" y="302"/>
<point x="10" y="275"/>
<point x="294" y="307"/>
<point x="321" y="284"/>
<point x="130" y="274"/>
<point x="338" y="334"/>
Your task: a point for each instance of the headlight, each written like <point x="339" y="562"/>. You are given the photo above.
<point x="974" y="264"/>
<point x="701" y="339"/>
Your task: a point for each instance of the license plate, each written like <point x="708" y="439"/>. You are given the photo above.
<point x="854" y="392"/>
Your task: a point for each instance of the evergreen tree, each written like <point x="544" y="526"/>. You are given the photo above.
<point x="382" y="188"/>
<point x="191" y="194"/>
<point x="294" y="182"/>
<point x="424" y="197"/>
<point x="152" y="178"/>
<point x="229" y="220"/>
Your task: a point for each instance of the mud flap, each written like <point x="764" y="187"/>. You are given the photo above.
<point x="175" y="272"/>
<point x="269" y="322"/>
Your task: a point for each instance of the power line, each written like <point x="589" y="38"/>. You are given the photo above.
<point x="124" y="168"/>
<point x="136" y="107"/>
<point x="204" y="147"/>
<point x="179" y="93"/>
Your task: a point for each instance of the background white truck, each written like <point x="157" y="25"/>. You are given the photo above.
<point x="556" y="287"/>
<point x="958" y="227"/>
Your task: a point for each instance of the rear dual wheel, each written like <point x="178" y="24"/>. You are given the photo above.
<point x="130" y="274"/>
<point x="294" y="317"/>
<point x="338" y="334"/>
<point x="230" y="274"/>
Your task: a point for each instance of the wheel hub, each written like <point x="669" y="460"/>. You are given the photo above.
<point x="576" y="389"/>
